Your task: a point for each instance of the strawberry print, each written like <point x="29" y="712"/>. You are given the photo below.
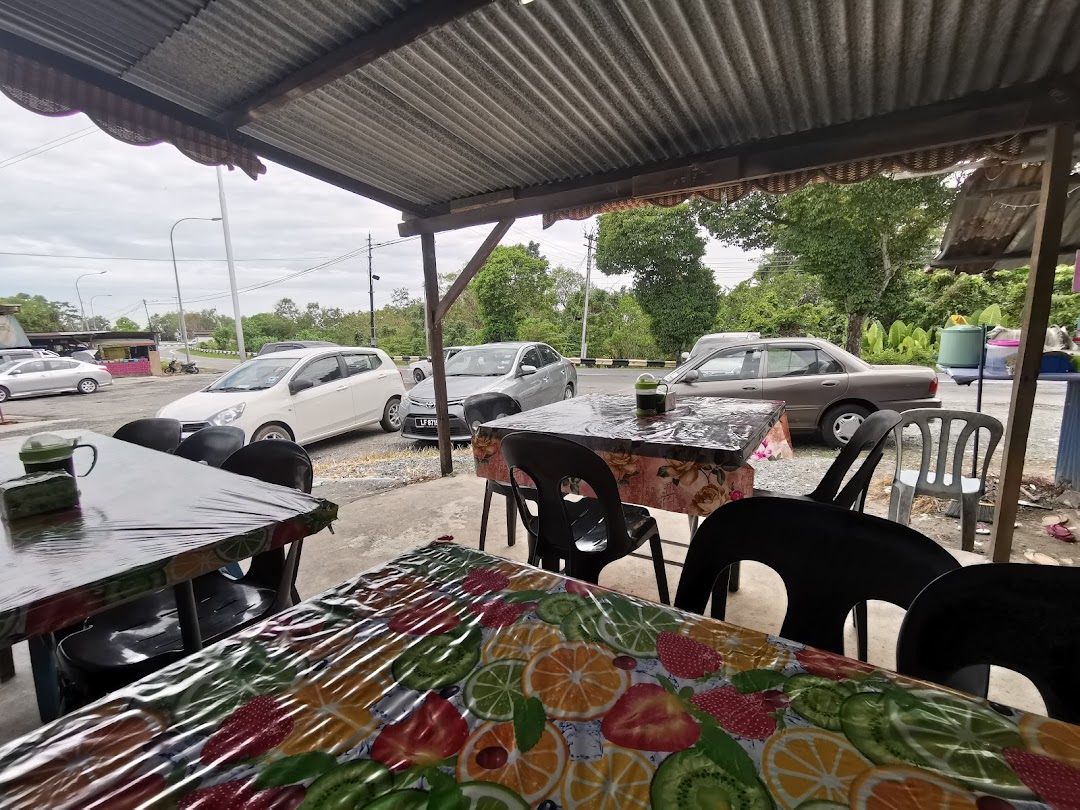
<point x="686" y="657"/>
<point x="431" y="617"/>
<point x="743" y="715"/>
<point x="647" y="717"/>
<point x="484" y="580"/>
<point x="430" y="734"/>
<point x="497" y="613"/>
<point x="830" y="665"/>
<point x="253" y="729"/>
<point x="231" y="796"/>
<point x="1053" y="781"/>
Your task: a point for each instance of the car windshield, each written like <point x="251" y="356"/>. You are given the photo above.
<point x="481" y="363"/>
<point x="255" y="375"/>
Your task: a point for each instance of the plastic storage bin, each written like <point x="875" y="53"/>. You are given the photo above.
<point x="1001" y="356"/>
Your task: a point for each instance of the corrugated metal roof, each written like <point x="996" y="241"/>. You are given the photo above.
<point x="515" y="95"/>
<point x="993" y="221"/>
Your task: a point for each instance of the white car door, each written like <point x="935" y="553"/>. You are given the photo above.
<point x="29" y="377"/>
<point x="321" y="399"/>
<point x="367" y="383"/>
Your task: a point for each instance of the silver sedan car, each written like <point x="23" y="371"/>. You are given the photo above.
<point x="532" y="373"/>
<point x="24" y="378"/>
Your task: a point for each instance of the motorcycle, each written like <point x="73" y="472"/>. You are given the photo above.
<point x="176" y="367"/>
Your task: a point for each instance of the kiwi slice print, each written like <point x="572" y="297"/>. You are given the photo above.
<point x="689" y="780"/>
<point x="818" y="699"/>
<point x="400" y="800"/>
<point x="557" y="606"/>
<point x="435" y="662"/>
<point x="865" y="722"/>
<point x="353" y="784"/>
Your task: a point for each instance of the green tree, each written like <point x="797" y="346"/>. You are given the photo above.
<point x="223" y="338"/>
<point x="123" y="324"/>
<point x="38" y="314"/>
<point x="858" y="238"/>
<point x="662" y="248"/>
<point x="512" y="284"/>
<point x="779" y="303"/>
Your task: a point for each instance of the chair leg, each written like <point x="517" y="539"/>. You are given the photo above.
<point x="733" y="578"/>
<point x="7" y="665"/>
<point x="484" y="514"/>
<point x="693" y="520"/>
<point x="511" y="521"/>
<point x="969" y="520"/>
<point x="861" y="631"/>
<point x="900" y="503"/>
<point x="719" y="596"/>
<point x="658" y="566"/>
<point x="46" y="676"/>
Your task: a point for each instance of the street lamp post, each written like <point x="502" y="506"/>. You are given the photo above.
<point x="82" y="312"/>
<point x="176" y="275"/>
<point x="92" y="297"/>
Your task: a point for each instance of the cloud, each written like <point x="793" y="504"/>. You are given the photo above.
<point x="95" y="196"/>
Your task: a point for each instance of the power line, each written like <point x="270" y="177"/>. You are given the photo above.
<point x="19" y="159"/>
<point x="165" y="259"/>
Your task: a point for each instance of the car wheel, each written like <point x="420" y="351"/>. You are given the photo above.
<point x="87" y="386"/>
<point x="418" y="375"/>
<point x="840" y="423"/>
<point x="272" y="431"/>
<point x="391" y="415"/>
<point x="4" y="394"/>
<point x="568" y="393"/>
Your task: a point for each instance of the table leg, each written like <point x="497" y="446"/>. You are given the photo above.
<point x="1068" y="455"/>
<point x="7" y="665"/>
<point x="46" y="677"/>
<point x="188" y="616"/>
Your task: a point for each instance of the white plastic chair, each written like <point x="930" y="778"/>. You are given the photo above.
<point x="935" y="481"/>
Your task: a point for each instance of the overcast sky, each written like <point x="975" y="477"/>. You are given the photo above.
<point x="68" y="190"/>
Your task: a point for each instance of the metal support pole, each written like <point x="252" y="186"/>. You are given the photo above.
<point x="187" y="616"/>
<point x="82" y="312"/>
<point x="371" y="289"/>
<point x="435" y="349"/>
<point x="1052" y="200"/>
<point x="588" y="279"/>
<point x="176" y="275"/>
<point x="149" y="323"/>
<point x="232" y="268"/>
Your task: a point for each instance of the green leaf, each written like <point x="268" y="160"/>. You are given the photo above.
<point x="721" y="748"/>
<point x="294" y="769"/>
<point x="686" y="692"/>
<point x="524" y="596"/>
<point x="445" y="792"/>
<point x="757" y="680"/>
<point x="529" y="719"/>
<point x="667" y="684"/>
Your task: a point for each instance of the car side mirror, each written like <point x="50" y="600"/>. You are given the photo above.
<point x="296" y="386"/>
<point x="691" y="376"/>
<point x="526" y="370"/>
<point x="16" y="371"/>
<point x="685" y="356"/>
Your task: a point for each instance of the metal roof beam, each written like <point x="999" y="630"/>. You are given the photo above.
<point x="353" y="55"/>
<point x="977" y="116"/>
<point x="136" y="95"/>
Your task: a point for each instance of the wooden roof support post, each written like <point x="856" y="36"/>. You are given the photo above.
<point x="1040" y="287"/>
<point x="435" y="349"/>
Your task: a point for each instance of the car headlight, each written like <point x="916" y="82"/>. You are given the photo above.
<point x="227" y="416"/>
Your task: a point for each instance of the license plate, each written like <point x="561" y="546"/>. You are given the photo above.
<point x="427" y="422"/>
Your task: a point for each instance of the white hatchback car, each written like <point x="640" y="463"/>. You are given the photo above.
<point x="301" y="394"/>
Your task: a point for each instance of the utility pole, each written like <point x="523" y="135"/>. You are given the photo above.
<point x="371" y="289"/>
<point x="146" y="309"/>
<point x="589" y="237"/>
<point x="82" y="312"/>
<point x="232" y="268"/>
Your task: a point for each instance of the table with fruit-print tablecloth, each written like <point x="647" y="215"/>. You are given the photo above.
<point x="146" y="521"/>
<point x="692" y="459"/>
<point x="449" y="678"/>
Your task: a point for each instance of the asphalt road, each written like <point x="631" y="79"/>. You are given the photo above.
<point x="128" y="399"/>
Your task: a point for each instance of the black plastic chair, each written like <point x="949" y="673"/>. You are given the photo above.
<point x="830" y="559"/>
<point x="589" y="533"/>
<point x="211" y="445"/>
<point x="481" y="408"/>
<point x="155" y="433"/>
<point x="130" y="641"/>
<point x="1022" y="617"/>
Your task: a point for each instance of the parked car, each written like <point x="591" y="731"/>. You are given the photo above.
<point x="707" y="343"/>
<point x="286" y="345"/>
<point x="420" y="369"/>
<point x="532" y="373"/>
<point x="10" y="355"/>
<point x="50" y="375"/>
<point x="300" y="394"/>
<point x="825" y="388"/>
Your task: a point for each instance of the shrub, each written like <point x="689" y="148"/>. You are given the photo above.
<point x="913" y="356"/>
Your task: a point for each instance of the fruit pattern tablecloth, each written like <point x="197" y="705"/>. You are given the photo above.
<point x="456" y="680"/>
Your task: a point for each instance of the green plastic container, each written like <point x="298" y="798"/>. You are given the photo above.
<point x="961" y="346"/>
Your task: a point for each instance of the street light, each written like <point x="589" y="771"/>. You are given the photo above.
<point x="82" y="312"/>
<point x="176" y="275"/>
<point x="92" y="297"/>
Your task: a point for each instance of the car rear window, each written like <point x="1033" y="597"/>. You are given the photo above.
<point x="359" y="363"/>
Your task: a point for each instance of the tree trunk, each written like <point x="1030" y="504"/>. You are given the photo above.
<point x="854" y="332"/>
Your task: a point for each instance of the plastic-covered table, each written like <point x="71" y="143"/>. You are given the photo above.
<point x="453" y="679"/>
<point x="146" y="521"/>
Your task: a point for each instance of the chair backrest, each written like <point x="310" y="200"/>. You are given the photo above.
<point x="155" y="433"/>
<point x="549" y="461"/>
<point x="871" y="436"/>
<point x="275" y="461"/>
<point x="481" y="408"/>
<point x="952" y="445"/>
<point x="287" y="464"/>
<point x="212" y="444"/>
<point x="1022" y="617"/>
<point x="829" y="558"/>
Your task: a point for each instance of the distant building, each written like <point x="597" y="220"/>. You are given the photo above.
<point x="122" y="353"/>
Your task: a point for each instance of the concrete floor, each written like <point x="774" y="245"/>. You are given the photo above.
<point x="377" y="528"/>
